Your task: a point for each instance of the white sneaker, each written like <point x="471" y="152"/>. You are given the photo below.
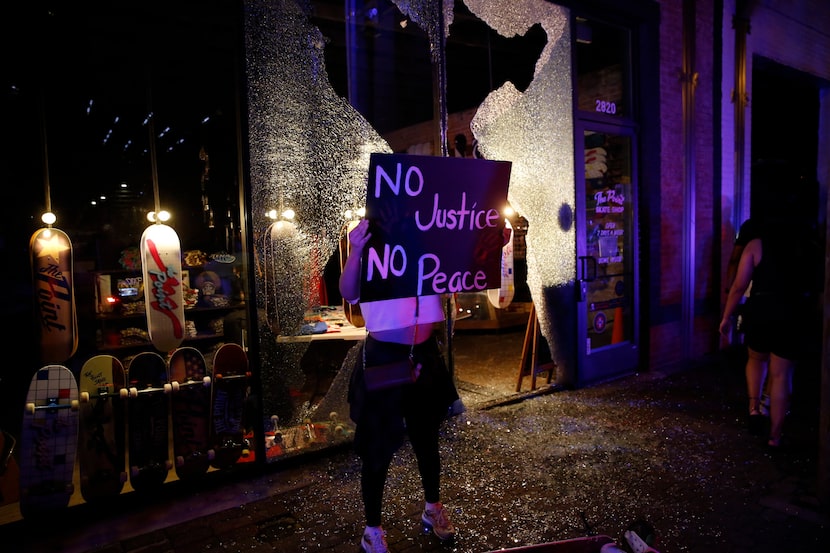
<point x="374" y="540"/>
<point x="439" y="522"/>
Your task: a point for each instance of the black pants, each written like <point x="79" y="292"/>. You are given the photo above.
<point x="385" y="418"/>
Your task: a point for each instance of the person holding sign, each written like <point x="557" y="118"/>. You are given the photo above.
<point x="433" y="227"/>
<point x="399" y="329"/>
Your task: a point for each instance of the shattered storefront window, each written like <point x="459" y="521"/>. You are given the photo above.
<point x="328" y="85"/>
<point x="534" y="130"/>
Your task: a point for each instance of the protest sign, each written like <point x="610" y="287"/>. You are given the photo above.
<point x="436" y="225"/>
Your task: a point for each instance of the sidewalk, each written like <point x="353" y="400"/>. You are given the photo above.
<point x="672" y="449"/>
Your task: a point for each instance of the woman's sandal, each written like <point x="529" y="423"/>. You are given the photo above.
<point x="755" y="422"/>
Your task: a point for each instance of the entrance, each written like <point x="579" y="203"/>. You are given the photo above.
<point x="607" y="309"/>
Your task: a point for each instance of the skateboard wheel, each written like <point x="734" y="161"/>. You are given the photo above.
<point x="84" y="397"/>
<point x="174" y="386"/>
<point x="30" y="407"/>
<point x="133" y="392"/>
<point x="123" y="392"/>
<point x="206" y="381"/>
<point x="339" y="429"/>
<point x="74" y="405"/>
<point x="246" y="452"/>
<point x="218" y="376"/>
<point x="169" y="388"/>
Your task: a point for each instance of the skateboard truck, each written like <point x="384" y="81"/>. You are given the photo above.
<point x="52" y="405"/>
<point x="175" y="385"/>
<point x="134" y="392"/>
<point x="104" y="393"/>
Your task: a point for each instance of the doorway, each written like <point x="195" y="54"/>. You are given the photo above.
<point x="608" y="303"/>
<point x="785" y="129"/>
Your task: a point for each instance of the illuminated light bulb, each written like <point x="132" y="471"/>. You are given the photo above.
<point x="283" y="229"/>
<point x="288" y="214"/>
<point x="48" y="218"/>
<point x="151" y="216"/>
<point x="271" y="214"/>
<point x="164" y="215"/>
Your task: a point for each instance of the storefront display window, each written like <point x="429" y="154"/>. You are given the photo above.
<point x="331" y="84"/>
<point x="264" y="184"/>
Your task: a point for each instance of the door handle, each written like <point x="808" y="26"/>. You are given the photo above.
<point x="587" y="273"/>
<point x="587" y="268"/>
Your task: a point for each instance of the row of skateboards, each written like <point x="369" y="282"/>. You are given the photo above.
<point x="111" y="414"/>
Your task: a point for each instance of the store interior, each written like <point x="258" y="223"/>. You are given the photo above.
<point x="189" y="161"/>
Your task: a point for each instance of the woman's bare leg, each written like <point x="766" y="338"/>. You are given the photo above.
<point x="756" y="372"/>
<point x="781" y="378"/>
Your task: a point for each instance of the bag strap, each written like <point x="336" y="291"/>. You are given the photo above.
<point x="414" y="334"/>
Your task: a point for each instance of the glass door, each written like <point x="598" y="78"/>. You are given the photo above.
<point x="607" y="252"/>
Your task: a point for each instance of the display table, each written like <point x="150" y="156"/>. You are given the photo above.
<point x="325" y="323"/>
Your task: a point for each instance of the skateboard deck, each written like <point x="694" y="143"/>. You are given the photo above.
<point x="230" y="385"/>
<point x="49" y="441"/>
<point x="147" y="421"/>
<point x="52" y="272"/>
<point x="190" y="404"/>
<point x="502" y="296"/>
<point x="9" y="470"/>
<point x="163" y="289"/>
<point x="352" y="311"/>
<point x="102" y="435"/>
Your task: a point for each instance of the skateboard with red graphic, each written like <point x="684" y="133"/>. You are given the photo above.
<point x="190" y="404"/>
<point x="48" y="441"/>
<point x="230" y="387"/>
<point x="161" y="262"/>
<point x="147" y="421"/>
<point x="102" y="434"/>
<point x="52" y="273"/>
<point x="502" y="296"/>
